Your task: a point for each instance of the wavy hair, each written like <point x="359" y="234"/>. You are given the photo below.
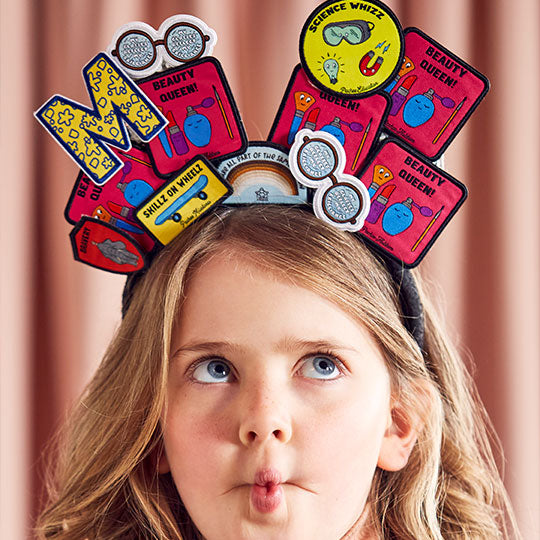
<point x="106" y="484"/>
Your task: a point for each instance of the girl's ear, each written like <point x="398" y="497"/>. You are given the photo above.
<point x="158" y="459"/>
<point x="162" y="461"/>
<point x="403" y="428"/>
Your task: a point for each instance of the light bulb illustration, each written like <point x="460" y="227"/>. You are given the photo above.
<point x="331" y="68"/>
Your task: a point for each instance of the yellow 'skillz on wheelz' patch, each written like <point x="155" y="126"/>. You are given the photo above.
<point x="187" y="196"/>
<point x="351" y="48"/>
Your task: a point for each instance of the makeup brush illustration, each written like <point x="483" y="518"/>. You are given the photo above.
<point x="223" y="113"/>
<point x="435" y="217"/>
<point x="359" y="151"/>
<point x="452" y="116"/>
<point x="302" y="102"/>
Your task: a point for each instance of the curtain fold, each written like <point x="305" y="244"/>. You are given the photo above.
<point x="58" y="316"/>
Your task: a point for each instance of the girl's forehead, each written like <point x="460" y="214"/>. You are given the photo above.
<point x="238" y="301"/>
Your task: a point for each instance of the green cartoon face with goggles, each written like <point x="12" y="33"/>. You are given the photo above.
<point x="353" y="32"/>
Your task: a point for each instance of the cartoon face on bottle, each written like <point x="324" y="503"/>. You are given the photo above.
<point x="137" y="191"/>
<point x="418" y="110"/>
<point x="336" y="131"/>
<point x="397" y="219"/>
<point x="197" y="129"/>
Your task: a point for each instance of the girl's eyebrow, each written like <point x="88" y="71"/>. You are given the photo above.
<point x="287" y="344"/>
<point x="205" y="346"/>
<point x="294" y="344"/>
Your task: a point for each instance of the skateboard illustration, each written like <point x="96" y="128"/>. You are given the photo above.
<point x="196" y="190"/>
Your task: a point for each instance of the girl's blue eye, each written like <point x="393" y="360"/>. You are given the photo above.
<point x="320" y="367"/>
<point x="212" y="371"/>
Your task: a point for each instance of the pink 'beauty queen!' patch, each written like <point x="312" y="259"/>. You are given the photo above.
<point x="203" y="118"/>
<point x="433" y="95"/>
<point x="354" y="122"/>
<point x="412" y="200"/>
<point x="116" y="201"/>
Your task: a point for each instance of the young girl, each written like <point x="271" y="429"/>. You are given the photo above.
<point x="262" y="385"/>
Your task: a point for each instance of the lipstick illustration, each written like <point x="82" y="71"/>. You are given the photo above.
<point x="311" y="122"/>
<point x="124" y="211"/>
<point x="379" y="204"/>
<point x="164" y="141"/>
<point x="177" y="137"/>
<point x="399" y="97"/>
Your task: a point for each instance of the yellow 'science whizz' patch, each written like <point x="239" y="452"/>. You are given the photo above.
<point x="351" y="48"/>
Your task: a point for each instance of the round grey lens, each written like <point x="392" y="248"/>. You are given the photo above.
<point x="317" y="160"/>
<point x="184" y="43"/>
<point x="136" y="51"/>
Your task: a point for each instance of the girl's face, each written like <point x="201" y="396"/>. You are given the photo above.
<point x="278" y="407"/>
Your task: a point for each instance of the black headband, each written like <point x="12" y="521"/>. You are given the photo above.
<point x="409" y="298"/>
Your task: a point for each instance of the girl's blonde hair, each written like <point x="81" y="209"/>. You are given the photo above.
<point x="106" y="483"/>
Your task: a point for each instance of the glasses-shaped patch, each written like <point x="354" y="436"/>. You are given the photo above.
<point x="317" y="160"/>
<point x="142" y="51"/>
<point x="353" y="32"/>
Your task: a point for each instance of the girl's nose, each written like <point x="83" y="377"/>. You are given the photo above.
<point x="264" y="417"/>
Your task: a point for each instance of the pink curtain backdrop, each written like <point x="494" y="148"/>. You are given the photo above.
<point x="57" y="315"/>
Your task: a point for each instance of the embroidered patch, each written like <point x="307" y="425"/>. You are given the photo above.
<point x="84" y="133"/>
<point x="142" y="51"/>
<point x="433" y="95"/>
<point x="203" y="118"/>
<point x="356" y="123"/>
<point x="187" y="196"/>
<point x="102" y="245"/>
<point x="115" y="202"/>
<point x="351" y="49"/>
<point x="261" y="175"/>
<point x="317" y="160"/>
<point x="412" y="201"/>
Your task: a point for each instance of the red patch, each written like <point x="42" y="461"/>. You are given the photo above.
<point x="101" y="245"/>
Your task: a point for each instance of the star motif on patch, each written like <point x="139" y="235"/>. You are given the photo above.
<point x="262" y="195"/>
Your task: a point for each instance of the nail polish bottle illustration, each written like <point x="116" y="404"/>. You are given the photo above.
<point x="177" y="137"/>
<point x="164" y="141"/>
<point x="399" y="97"/>
<point x="379" y="204"/>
